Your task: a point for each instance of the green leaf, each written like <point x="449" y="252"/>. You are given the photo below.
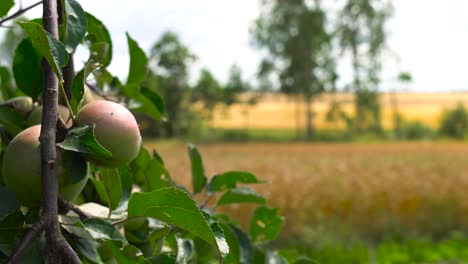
<point x="76" y="24"/>
<point x="96" y="229"/>
<point x="218" y="233"/>
<point x="126" y="183"/>
<point x="88" y="248"/>
<point x="34" y="252"/>
<point x="76" y="164"/>
<point x="185" y="251"/>
<point x="241" y="195"/>
<point x="112" y="183"/>
<point x="292" y="256"/>
<point x="156" y="100"/>
<point x="27" y="69"/>
<point x="198" y="171"/>
<point x="82" y="139"/>
<point x="234" y="249"/>
<point x="259" y="256"/>
<point x="174" y="207"/>
<point x="273" y="257"/>
<point x="129" y="254"/>
<point x="98" y="51"/>
<point x="146" y="102"/>
<point x="157" y="176"/>
<point x="98" y="33"/>
<point x="5" y="6"/>
<point x="8" y="202"/>
<point x="265" y="224"/>
<point x="8" y="90"/>
<point x="163" y="259"/>
<point x="79" y="83"/>
<point x="241" y="249"/>
<point x="139" y="164"/>
<point x="12" y="120"/>
<point x="138" y="63"/>
<point x="230" y="179"/>
<point x="52" y="50"/>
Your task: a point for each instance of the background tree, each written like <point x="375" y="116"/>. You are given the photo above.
<point x="207" y="92"/>
<point x="239" y="91"/>
<point x="361" y="33"/>
<point x="295" y="36"/>
<point x="169" y="63"/>
<point x="404" y="78"/>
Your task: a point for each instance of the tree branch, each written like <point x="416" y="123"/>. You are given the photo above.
<point x="30" y="236"/>
<point x="65" y="206"/>
<point x="67" y="253"/>
<point x="19" y="12"/>
<point x="57" y="246"/>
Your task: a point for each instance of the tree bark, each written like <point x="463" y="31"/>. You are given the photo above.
<point x="57" y="247"/>
<point x="47" y="139"/>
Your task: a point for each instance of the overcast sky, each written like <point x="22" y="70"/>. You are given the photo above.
<point x="430" y="36"/>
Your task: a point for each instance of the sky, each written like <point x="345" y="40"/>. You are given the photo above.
<point x="430" y="37"/>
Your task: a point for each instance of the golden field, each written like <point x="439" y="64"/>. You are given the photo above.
<point x="276" y="111"/>
<point x="368" y="189"/>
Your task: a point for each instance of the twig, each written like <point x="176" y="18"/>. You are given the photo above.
<point x="123" y="221"/>
<point x="30" y="236"/>
<point x="67" y="102"/>
<point x="68" y="255"/>
<point x="207" y="200"/>
<point x="97" y="91"/>
<point x="19" y="12"/>
<point x="66" y="206"/>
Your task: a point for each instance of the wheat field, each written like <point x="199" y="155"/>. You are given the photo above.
<point x="365" y="189"/>
<point x="276" y="111"/>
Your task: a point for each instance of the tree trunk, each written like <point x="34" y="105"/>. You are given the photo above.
<point x="309" y="117"/>
<point x="297" y="102"/>
<point x="359" y="119"/>
<point x="396" y="113"/>
<point x="246" y="114"/>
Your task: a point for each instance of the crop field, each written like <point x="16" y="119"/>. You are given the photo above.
<point x="279" y="112"/>
<point x="368" y="190"/>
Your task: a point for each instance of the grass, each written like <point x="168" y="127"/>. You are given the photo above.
<point x="365" y="192"/>
<point x="453" y="249"/>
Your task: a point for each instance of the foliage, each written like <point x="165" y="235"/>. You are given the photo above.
<point x="415" y="130"/>
<point x="454" y="122"/>
<point x="135" y="213"/>
<point x="299" y="52"/>
<point x="168" y="75"/>
<point x="361" y="32"/>
<point x="208" y="92"/>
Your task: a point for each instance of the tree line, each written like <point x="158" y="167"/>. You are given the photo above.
<point x="303" y="42"/>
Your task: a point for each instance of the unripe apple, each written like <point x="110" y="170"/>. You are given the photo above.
<point x="22" y="104"/>
<point x="35" y="118"/>
<point x="116" y="129"/>
<point x="22" y="169"/>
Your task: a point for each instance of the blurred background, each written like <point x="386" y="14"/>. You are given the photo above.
<point x="353" y="110"/>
